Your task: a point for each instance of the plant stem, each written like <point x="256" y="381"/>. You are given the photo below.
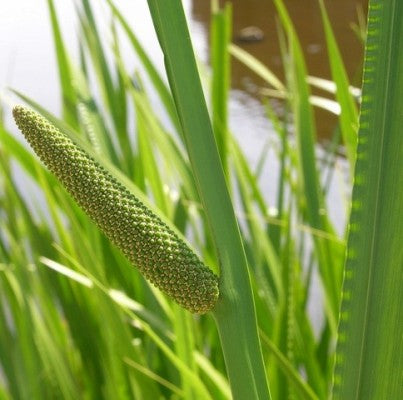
<point x="235" y="311"/>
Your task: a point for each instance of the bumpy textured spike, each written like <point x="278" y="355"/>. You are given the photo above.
<point x="161" y="256"/>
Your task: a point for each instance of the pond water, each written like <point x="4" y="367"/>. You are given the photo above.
<point x="28" y="62"/>
<point x="307" y="19"/>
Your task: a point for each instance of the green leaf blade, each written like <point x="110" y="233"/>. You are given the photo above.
<point x="234" y="313"/>
<point x="369" y="359"/>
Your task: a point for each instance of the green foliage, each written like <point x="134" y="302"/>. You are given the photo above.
<point x="77" y="321"/>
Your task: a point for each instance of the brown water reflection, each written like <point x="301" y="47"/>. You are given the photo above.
<point x="307" y="20"/>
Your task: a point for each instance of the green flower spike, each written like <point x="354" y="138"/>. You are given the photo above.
<point x="160" y="255"/>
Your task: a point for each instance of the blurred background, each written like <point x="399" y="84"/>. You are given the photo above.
<point x="28" y="61"/>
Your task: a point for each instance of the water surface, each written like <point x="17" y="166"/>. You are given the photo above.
<point x="307" y="19"/>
